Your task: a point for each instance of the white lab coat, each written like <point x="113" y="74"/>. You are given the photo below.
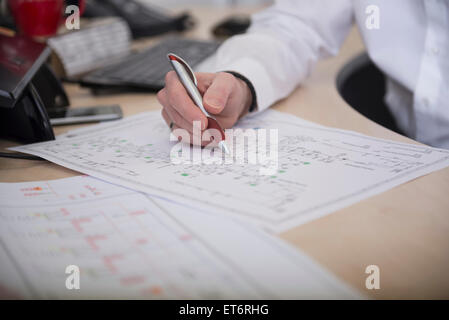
<point x="411" y="47"/>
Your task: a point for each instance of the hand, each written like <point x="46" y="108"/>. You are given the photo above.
<point x="225" y="97"/>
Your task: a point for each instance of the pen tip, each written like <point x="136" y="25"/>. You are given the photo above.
<point x="223" y="147"/>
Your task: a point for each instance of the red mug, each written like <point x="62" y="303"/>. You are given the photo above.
<point x="38" y="18"/>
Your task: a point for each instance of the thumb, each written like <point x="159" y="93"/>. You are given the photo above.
<point x="216" y="96"/>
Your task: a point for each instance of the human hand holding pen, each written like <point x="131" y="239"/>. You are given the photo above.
<point x="225" y="97"/>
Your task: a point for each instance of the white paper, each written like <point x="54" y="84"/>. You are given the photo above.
<point x="129" y="246"/>
<point x="320" y="169"/>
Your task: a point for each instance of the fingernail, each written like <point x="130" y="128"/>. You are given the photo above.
<point x="214" y="104"/>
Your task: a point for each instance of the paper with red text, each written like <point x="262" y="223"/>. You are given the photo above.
<point x="128" y="245"/>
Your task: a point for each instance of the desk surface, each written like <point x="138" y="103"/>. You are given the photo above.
<point x="404" y="231"/>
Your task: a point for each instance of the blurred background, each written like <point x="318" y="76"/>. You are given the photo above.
<point x="52" y="50"/>
<point x="174" y="3"/>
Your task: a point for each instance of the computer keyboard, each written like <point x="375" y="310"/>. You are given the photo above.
<point x="147" y="69"/>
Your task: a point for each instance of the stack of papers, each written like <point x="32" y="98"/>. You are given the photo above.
<point x="164" y="228"/>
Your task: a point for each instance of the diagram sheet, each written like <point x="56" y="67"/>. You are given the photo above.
<point x="127" y="245"/>
<point x="318" y="170"/>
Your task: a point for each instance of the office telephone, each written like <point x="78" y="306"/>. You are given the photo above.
<point x="28" y="89"/>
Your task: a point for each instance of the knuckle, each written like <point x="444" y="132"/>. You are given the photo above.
<point x="169" y="76"/>
<point x="160" y="95"/>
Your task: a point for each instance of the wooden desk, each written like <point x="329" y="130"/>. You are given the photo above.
<point x="404" y="231"/>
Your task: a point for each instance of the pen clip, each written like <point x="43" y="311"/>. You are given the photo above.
<point x="172" y="56"/>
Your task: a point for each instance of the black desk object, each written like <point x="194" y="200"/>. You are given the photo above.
<point x="28" y="88"/>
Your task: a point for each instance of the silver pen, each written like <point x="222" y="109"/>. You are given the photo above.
<point x="188" y="80"/>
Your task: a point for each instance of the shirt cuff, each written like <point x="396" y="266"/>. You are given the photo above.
<point x="253" y="105"/>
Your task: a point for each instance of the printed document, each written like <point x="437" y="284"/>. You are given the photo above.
<point x="128" y="245"/>
<point x="316" y="169"/>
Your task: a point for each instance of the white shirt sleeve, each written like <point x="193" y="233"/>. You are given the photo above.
<point x="283" y="43"/>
